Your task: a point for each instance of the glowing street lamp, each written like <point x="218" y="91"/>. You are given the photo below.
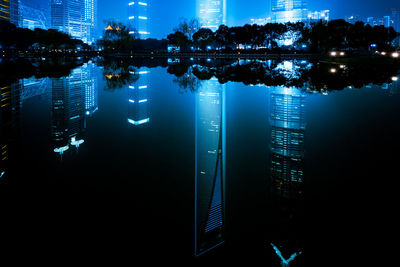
<point x="395" y="54"/>
<point x="333" y="70"/>
<point x="333" y="53"/>
<point x="395" y="78"/>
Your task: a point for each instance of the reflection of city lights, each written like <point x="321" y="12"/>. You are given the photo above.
<point x="395" y="78"/>
<point x="61" y="149"/>
<point x="2" y="174"/>
<point x="138" y="122"/>
<point x="333" y="70"/>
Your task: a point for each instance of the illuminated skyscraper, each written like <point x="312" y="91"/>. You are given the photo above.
<point x="32" y="17"/>
<point x="138" y="101"/>
<point x="138" y="18"/>
<point x="288" y="11"/>
<point x="211" y="13"/>
<point x="9" y="11"/>
<point x="210" y="167"/>
<point x="78" y="18"/>
<point x="5" y="10"/>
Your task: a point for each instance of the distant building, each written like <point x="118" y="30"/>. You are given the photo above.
<point x="260" y="21"/>
<point x="396" y="19"/>
<point x="9" y="11"/>
<point x="353" y="19"/>
<point x="314" y="16"/>
<point x="211" y="13"/>
<point x="138" y="18"/>
<point x="78" y="18"/>
<point x="5" y="10"/>
<point x="32" y="17"/>
<point x="288" y="11"/>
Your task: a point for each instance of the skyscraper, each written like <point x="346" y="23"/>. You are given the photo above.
<point x="210" y="167"/>
<point x="32" y="17"/>
<point x="288" y="11"/>
<point x="5" y="10"/>
<point x="211" y="13"/>
<point x="78" y="18"/>
<point x="9" y="11"/>
<point x="138" y="18"/>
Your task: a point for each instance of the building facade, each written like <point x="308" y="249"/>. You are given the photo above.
<point x="78" y="18"/>
<point x="211" y="13"/>
<point x="288" y="11"/>
<point x="138" y="18"/>
<point x="5" y="10"/>
<point x="32" y="17"/>
<point x="9" y="11"/>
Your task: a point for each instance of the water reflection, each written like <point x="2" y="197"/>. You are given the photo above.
<point x="138" y="100"/>
<point x="210" y="167"/>
<point x="73" y="98"/>
<point x="10" y="124"/>
<point x="288" y="128"/>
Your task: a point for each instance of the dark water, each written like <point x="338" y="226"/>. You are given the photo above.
<point x="140" y="163"/>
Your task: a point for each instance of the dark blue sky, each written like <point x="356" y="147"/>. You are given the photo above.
<point x="164" y="14"/>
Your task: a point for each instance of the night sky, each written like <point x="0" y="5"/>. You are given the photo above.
<point x="164" y="14"/>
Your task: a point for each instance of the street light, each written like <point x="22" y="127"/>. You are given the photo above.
<point x="395" y="54"/>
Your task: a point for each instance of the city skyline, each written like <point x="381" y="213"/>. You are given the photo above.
<point x="166" y="17"/>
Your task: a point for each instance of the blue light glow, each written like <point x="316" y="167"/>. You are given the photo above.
<point x="138" y="122"/>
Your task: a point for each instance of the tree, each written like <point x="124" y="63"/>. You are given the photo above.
<point x="188" y="27"/>
<point x="117" y="36"/>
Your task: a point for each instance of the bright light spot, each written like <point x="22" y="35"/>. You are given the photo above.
<point x="395" y="55"/>
<point x="333" y="53"/>
<point x="395" y="78"/>
<point x="342" y="66"/>
<point x="333" y="70"/>
<point x="342" y="53"/>
<point x="383" y="53"/>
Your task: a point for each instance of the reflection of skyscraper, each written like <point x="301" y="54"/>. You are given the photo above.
<point x="210" y="167"/>
<point x="138" y="101"/>
<point x="91" y="89"/>
<point x="138" y="18"/>
<point x="288" y="11"/>
<point x="70" y="106"/>
<point x="211" y="13"/>
<point x="10" y="107"/>
<point x="287" y="119"/>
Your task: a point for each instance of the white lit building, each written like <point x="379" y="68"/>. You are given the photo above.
<point x="288" y="11"/>
<point x="211" y="13"/>
<point x="138" y="18"/>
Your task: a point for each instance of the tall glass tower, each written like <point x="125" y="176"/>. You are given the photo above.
<point x="138" y="101"/>
<point x="211" y="13"/>
<point x="210" y="167"/>
<point x="5" y="10"/>
<point x="138" y="18"/>
<point x="78" y="18"/>
<point x="288" y="11"/>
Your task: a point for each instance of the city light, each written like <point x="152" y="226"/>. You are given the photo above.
<point x="395" y="78"/>
<point x="333" y="70"/>
<point x="333" y="53"/>
<point x="395" y="54"/>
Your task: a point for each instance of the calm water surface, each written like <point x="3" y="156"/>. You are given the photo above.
<point x="148" y="169"/>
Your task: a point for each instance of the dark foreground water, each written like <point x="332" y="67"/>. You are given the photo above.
<point x="130" y="163"/>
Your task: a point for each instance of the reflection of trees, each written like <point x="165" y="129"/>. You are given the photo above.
<point x="316" y="76"/>
<point x="118" y="73"/>
<point x="13" y="70"/>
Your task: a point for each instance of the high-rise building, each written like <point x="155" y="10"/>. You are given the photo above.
<point x="32" y="17"/>
<point x="396" y="19"/>
<point x="78" y="18"/>
<point x="211" y="13"/>
<point x="210" y="167"/>
<point x="138" y="101"/>
<point x="138" y="18"/>
<point x="288" y="11"/>
<point x="5" y="10"/>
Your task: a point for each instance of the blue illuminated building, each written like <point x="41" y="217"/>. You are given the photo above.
<point x="33" y="17"/>
<point x="211" y="13"/>
<point x="78" y="18"/>
<point x="138" y="18"/>
<point x="288" y="11"/>
<point x="210" y="167"/>
<point x="138" y="99"/>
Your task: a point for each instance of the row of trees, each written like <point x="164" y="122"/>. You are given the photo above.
<point x="12" y="37"/>
<point x="320" y="36"/>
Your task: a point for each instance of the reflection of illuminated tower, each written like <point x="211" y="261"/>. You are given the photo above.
<point x="91" y="89"/>
<point x="211" y="13"/>
<point x="69" y="108"/>
<point x="210" y="167"/>
<point x="138" y="18"/>
<point x="287" y="119"/>
<point x="138" y="101"/>
<point x="10" y="107"/>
